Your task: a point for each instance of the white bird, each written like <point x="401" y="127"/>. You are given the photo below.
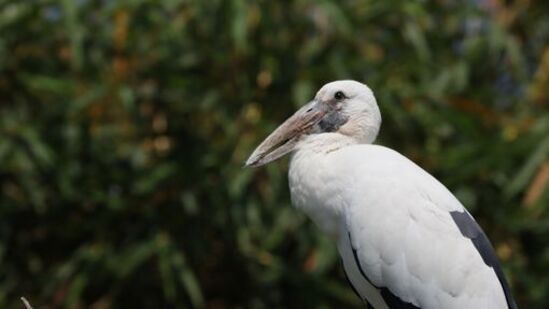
<point x="405" y="240"/>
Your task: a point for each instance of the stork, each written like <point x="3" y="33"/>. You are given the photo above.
<point x="404" y="239"/>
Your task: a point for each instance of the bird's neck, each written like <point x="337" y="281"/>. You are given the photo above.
<point x="324" y="143"/>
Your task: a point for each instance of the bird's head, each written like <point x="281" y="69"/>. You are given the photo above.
<point x="343" y="107"/>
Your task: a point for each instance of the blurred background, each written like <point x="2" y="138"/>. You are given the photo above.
<point x="124" y="126"/>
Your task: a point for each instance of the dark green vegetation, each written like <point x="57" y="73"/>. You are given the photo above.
<point x="124" y="128"/>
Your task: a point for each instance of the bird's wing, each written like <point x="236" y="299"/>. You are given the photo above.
<point x="411" y="240"/>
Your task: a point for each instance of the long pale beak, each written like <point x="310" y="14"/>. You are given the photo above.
<point x="286" y="136"/>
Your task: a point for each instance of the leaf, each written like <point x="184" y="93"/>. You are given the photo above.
<point x="527" y="171"/>
<point x="302" y="92"/>
<point x="188" y="279"/>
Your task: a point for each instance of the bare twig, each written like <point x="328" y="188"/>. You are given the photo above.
<point x="26" y="303"/>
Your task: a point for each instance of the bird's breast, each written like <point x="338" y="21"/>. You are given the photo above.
<point x="316" y="190"/>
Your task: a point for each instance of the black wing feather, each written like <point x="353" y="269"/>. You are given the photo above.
<point x="470" y="229"/>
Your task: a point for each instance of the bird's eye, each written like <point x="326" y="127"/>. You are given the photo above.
<point x="339" y="96"/>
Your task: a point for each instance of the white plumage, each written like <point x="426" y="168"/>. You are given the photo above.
<point x="405" y="240"/>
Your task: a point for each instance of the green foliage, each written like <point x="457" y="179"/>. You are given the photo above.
<point x="124" y="127"/>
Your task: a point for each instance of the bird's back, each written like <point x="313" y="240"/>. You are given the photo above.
<point x="398" y="234"/>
